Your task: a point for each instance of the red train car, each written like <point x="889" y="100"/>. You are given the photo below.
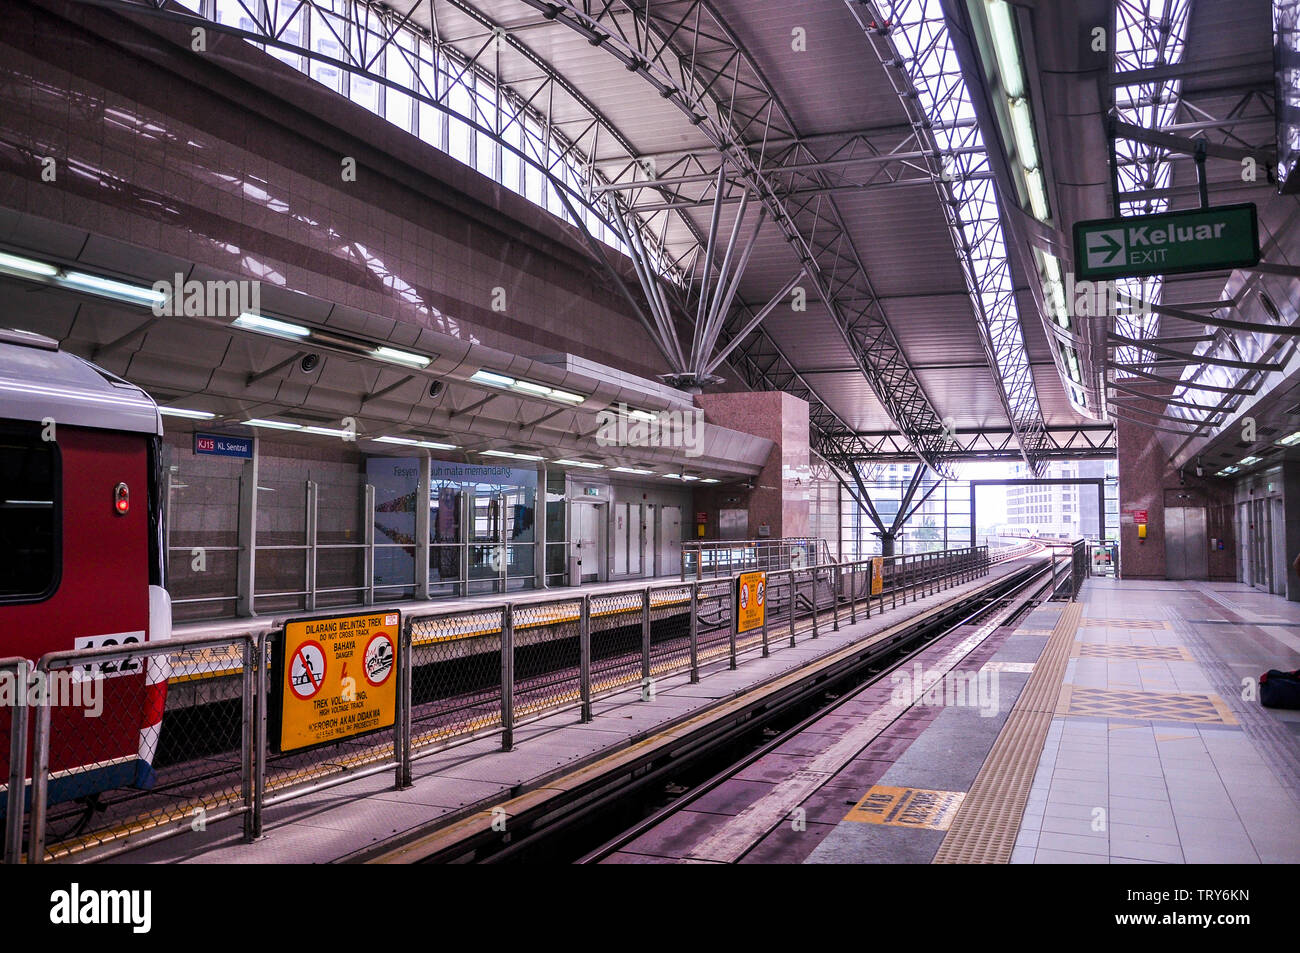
<point x="82" y="555"/>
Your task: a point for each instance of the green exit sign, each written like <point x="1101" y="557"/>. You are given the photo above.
<point x="1203" y="239"/>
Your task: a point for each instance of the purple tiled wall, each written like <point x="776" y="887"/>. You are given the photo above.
<point x="233" y="160"/>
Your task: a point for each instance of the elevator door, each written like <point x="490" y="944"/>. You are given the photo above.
<point x="633" y="537"/>
<point x="1186" y="555"/>
<point x="670" y="541"/>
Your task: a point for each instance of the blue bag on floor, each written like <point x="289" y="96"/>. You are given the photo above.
<point x="1280" y="689"/>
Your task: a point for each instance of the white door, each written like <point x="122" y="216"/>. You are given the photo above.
<point x="635" y="530"/>
<point x="670" y="541"/>
<point x="586" y="552"/>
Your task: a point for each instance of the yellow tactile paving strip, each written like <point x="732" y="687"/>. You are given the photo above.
<point x="984" y="830"/>
<point x="1124" y="623"/>
<point x="907" y="807"/>
<point x="1142" y="653"/>
<point x="1075" y="701"/>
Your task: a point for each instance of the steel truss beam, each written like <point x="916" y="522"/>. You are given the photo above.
<point x="921" y="62"/>
<point x="685" y="52"/>
<point x="757" y="360"/>
<point x="1085" y="441"/>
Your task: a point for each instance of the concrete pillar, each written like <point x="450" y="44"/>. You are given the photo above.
<point x="1146" y="481"/>
<point x="778" y="498"/>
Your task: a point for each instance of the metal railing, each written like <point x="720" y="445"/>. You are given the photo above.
<point x="462" y="674"/>
<point x="1071" y="564"/>
<point x="726" y="557"/>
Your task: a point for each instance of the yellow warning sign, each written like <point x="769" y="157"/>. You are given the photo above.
<point x="751" y="595"/>
<point x="334" y="678"/>
<point x="877" y="575"/>
<point x="907" y="807"/>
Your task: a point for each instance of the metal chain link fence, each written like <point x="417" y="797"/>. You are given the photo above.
<point x="132" y="743"/>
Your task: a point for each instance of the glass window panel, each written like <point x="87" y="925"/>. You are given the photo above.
<point x="397" y="105"/>
<point x="324" y="41"/>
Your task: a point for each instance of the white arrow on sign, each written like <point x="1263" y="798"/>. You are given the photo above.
<point x="1104" y="248"/>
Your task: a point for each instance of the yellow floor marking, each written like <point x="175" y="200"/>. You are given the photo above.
<point x="1117" y="650"/>
<point x="907" y="807"/>
<point x="1126" y="623"/>
<point x="1075" y="701"/>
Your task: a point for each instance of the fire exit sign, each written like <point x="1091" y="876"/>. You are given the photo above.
<point x="1170" y="243"/>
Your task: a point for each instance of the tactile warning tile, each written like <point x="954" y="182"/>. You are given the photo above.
<point x="1143" y="706"/>
<point x="984" y="830"/>
<point x="1145" y="653"/>
<point x="1125" y="623"/>
<point x="907" y="807"/>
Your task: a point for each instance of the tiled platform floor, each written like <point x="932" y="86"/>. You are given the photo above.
<point x="1126" y="776"/>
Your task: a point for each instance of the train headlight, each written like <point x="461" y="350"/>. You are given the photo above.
<point x="121" y="499"/>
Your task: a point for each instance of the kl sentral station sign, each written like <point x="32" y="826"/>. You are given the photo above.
<point x="1170" y="243"/>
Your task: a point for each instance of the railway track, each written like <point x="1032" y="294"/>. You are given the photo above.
<point x="610" y="809"/>
<point x="745" y="831"/>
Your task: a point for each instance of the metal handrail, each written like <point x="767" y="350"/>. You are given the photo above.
<point x="820" y="595"/>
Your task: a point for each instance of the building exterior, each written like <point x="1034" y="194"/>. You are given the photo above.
<point x="1061" y="510"/>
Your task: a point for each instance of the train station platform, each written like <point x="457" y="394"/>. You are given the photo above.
<point x="458" y="787"/>
<point x="1122" y="728"/>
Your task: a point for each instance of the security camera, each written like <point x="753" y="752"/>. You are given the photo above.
<point x="435" y="388"/>
<point x="309" y="362"/>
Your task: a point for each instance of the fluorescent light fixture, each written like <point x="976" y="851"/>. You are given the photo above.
<point x="396" y="356"/>
<point x="580" y="463"/>
<point x="1006" y="48"/>
<point x="642" y="415"/>
<point x="272" y="424"/>
<point x="1051" y="265"/>
<point x="324" y="431"/>
<point x="16" y="264"/>
<point x="413" y="442"/>
<point x="263" y="325"/>
<point x="1037" y="194"/>
<point x="492" y="379"/>
<point x="531" y="387"/>
<point x="631" y="470"/>
<point x="688" y="477"/>
<point x="184" y="412"/>
<point x="1289" y="439"/>
<point x="110" y="288"/>
<point x="680" y="476"/>
<point x="710" y="480"/>
<point x="511" y="455"/>
<point x="1228" y="471"/>
<point x="1249" y="461"/>
<point x="1022" y="125"/>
